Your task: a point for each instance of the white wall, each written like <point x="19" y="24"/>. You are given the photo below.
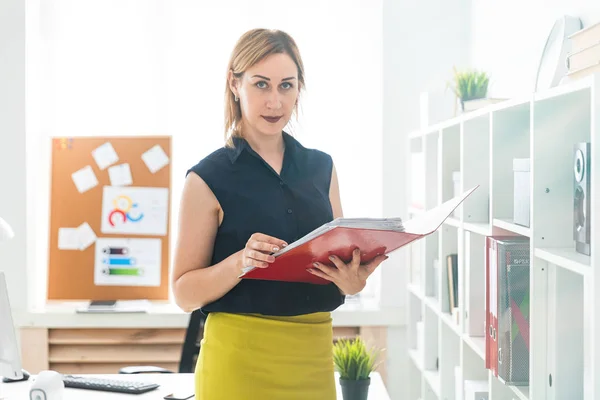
<point x="508" y="38"/>
<point x="421" y="42"/>
<point x="13" y="254"/>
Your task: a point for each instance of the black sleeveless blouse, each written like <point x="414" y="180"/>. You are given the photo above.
<point x="289" y="205"/>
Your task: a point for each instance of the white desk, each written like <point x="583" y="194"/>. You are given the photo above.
<point x="57" y="314"/>
<point x="168" y="382"/>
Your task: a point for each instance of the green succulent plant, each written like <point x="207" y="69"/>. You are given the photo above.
<point x="353" y="360"/>
<point x="469" y="84"/>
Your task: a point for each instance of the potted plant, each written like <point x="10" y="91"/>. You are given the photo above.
<point x="354" y="362"/>
<point x="470" y="88"/>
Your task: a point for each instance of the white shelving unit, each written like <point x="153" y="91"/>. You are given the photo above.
<point x="564" y="305"/>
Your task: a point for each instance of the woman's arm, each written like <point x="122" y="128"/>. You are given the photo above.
<point x="195" y="282"/>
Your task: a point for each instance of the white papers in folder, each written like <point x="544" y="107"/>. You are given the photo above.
<point x="431" y="220"/>
<point x="388" y="224"/>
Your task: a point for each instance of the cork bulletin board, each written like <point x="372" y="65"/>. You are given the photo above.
<point x="109" y="218"/>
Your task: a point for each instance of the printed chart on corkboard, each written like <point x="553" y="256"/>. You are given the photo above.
<point x="109" y="218"/>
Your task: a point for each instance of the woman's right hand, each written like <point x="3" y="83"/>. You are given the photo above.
<point x="258" y="250"/>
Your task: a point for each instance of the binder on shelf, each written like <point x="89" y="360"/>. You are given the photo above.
<point x="452" y="269"/>
<point x="507" y="308"/>
<point x="513" y="311"/>
<point x="373" y="236"/>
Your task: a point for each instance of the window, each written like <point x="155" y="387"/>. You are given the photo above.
<point x="158" y="67"/>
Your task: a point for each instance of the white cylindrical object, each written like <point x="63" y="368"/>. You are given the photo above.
<point x="48" y="385"/>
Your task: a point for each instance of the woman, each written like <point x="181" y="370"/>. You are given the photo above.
<point x="246" y="200"/>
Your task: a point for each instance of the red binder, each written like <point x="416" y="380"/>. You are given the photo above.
<point x="488" y="314"/>
<point x="291" y="264"/>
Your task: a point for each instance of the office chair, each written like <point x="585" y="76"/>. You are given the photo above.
<point x="189" y="350"/>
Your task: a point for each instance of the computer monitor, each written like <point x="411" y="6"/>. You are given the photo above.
<point x="10" y="357"/>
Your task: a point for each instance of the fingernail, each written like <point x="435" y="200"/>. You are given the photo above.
<point x="275" y="248"/>
<point x="284" y="244"/>
<point x="331" y="257"/>
<point x="310" y="270"/>
<point x="316" y="264"/>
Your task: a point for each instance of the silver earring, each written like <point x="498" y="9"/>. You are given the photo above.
<point x="235" y="98"/>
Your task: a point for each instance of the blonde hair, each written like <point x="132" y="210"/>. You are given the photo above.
<point x="251" y="48"/>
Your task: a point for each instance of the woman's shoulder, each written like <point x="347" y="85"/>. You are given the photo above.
<point x="210" y="163"/>
<point x="312" y="155"/>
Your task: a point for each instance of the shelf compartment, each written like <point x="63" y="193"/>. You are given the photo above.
<point x="428" y="393"/>
<point x="449" y="156"/>
<point x="510" y="226"/>
<point x="559" y="124"/>
<point x="475" y="168"/>
<point x="415" y="318"/>
<point x="474" y="267"/>
<point x="449" y="359"/>
<point x="502" y="391"/>
<point x="522" y="392"/>
<point x="473" y="365"/>
<point x="565" y="257"/>
<point x="432" y="378"/>
<point x="448" y="247"/>
<point x="417" y="357"/>
<point x="484" y="229"/>
<point x="431" y="263"/>
<point x="430" y="340"/>
<point x="510" y="139"/>
<point x="431" y="154"/>
<point x="415" y="264"/>
<point x="415" y="377"/>
<point x="565" y="339"/>
<point x="452" y="221"/>
<point x="416" y="173"/>
<point x="477" y="344"/>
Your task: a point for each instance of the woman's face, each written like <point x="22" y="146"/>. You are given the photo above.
<point x="267" y="94"/>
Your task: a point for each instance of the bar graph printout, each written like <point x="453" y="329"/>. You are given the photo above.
<point x="127" y="262"/>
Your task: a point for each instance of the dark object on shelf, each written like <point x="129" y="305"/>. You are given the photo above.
<point x="521" y="200"/>
<point x="581" y="198"/>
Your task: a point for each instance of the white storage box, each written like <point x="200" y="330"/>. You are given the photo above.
<point x="521" y="170"/>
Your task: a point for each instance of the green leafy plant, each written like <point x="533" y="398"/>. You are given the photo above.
<point x="469" y="84"/>
<point x="353" y="360"/>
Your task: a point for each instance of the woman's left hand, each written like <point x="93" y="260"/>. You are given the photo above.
<point x="350" y="278"/>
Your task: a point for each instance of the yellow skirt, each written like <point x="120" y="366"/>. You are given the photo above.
<point x="248" y="356"/>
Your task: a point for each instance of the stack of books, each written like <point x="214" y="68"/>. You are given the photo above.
<point x="584" y="58"/>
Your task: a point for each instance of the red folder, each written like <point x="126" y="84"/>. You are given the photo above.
<point x="291" y="264"/>
<point x="488" y="315"/>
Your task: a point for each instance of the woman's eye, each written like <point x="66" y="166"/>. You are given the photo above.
<point x="261" y="84"/>
<point x="286" y="85"/>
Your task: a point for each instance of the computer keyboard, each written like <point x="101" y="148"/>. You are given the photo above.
<point x="108" y="385"/>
